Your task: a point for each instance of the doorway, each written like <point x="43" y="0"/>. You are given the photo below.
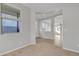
<point x="58" y="29"/>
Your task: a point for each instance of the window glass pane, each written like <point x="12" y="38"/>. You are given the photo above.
<point x="6" y="16"/>
<point x="9" y="26"/>
<point x="11" y="23"/>
<point x="45" y="25"/>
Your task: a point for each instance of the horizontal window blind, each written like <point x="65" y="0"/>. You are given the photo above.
<point x="10" y="10"/>
<point x="9" y="17"/>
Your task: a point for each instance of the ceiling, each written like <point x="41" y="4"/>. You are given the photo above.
<point x="43" y="7"/>
<point x="43" y="10"/>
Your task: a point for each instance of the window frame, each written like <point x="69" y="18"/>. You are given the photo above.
<point x="17" y="19"/>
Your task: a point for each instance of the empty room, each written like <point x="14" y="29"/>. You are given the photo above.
<point x="39" y="29"/>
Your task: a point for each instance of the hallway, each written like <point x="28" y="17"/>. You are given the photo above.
<point x="44" y="47"/>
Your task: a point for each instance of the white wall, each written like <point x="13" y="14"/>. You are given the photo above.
<point x="12" y="41"/>
<point x="33" y="26"/>
<point x="71" y="27"/>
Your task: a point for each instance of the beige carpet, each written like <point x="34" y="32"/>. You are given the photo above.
<point x="43" y="47"/>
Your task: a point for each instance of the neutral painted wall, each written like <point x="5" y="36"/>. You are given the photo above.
<point x="12" y="41"/>
<point x="33" y="26"/>
<point x="71" y="26"/>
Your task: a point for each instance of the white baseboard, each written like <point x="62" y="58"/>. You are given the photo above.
<point x="71" y="50"/>
<point x="45" y="38"/>
<point x="16" y="49"/>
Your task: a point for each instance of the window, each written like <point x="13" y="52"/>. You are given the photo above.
<point x="10" y="23"/>
<point x="10" y="19"/>
<point x="45" y="25"/>
<point x="9" y="26"/>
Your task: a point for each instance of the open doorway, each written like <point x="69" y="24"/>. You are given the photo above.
<point x="45" y="31"/>
<point x="58" y="28"/>
<point x="50" y="26"/>
<point x="45" y="28"/>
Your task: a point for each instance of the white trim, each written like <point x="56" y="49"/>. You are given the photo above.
<point x="16" y="49"/>
<point x="46" y="38"/>
<point x="71" y="50"/>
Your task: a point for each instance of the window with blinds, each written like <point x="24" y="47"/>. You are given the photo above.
<point x="10" y="19"/>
